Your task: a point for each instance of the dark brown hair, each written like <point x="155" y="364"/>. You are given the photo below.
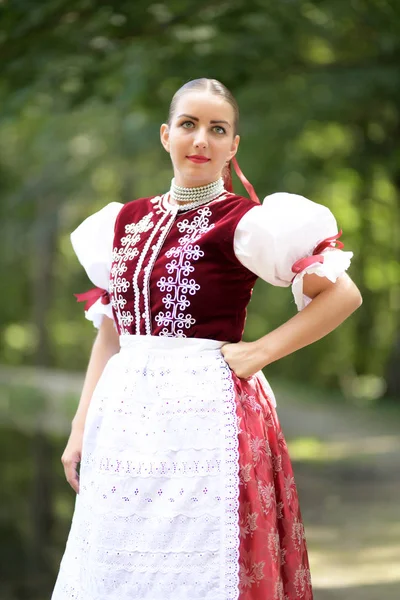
<point x="214" y="87"/>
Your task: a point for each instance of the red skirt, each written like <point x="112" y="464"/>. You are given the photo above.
<point x="273" y="554"/>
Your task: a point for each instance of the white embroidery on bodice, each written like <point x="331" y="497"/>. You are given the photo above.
<point x="179" y="285"/>
<point x="118" y="283"/>
<point x="176" y="288"/>
<point x="142" y="292"/>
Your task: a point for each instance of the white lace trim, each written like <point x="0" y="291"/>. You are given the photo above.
<point x="336" y="262"/>
<point x="231" y="463"/>
<point x="97" y="311"/>
<point x="186" y="463"/>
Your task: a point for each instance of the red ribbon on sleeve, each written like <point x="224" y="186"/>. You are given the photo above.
<point x="91" y="296"/>
<point x="330" y="242"/>
<point x="316" y="257"/>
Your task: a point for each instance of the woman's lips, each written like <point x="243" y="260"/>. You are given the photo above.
<point x="198" y="159"/>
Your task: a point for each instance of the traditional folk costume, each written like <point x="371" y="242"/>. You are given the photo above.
<point x="186" y="486"/>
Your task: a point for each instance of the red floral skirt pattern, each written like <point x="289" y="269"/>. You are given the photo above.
<point x="273" y="562"/>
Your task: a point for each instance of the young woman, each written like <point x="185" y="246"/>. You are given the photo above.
<point x="186" y="490"/>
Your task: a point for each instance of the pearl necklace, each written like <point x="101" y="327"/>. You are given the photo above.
<point x="188" y="198"/>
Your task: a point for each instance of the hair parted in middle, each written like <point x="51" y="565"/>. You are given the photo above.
<point x="218" y="89"/>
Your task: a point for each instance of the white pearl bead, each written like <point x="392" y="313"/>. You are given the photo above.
<point x="188" y="198"/>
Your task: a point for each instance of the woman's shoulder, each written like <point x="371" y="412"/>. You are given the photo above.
<point x="234" y="204"/>
<point x="237" y="199"/>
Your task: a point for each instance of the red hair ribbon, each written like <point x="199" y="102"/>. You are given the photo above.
<point x="317" y="257"/>
<point x="227" y="177"/>
<point x="91" y="296"/>
<point x="246" y="183"/>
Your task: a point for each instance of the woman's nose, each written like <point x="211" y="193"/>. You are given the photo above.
<point x="200" y="140"/>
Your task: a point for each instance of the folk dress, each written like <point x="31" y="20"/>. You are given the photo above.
<point x="186" y="487"/>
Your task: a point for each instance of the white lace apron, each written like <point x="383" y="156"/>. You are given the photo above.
<point x="157" y="513"/>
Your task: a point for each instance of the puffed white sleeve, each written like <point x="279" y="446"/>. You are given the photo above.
<point x="285" y="238"/>
<point x="92" y="242"/>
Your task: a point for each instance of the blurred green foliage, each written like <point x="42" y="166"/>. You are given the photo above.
<point x="84" y="86"/>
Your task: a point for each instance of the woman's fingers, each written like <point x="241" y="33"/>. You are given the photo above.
<point x="70" y="464"/>
<point x="72" y="457"/>
<point x="242" y="358"/>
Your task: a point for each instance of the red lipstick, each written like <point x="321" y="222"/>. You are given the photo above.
<point x="196" y="158"/>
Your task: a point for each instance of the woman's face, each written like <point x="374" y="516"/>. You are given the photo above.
<point x="200" y="138"/>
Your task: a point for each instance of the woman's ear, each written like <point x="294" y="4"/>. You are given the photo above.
<point x="235" y="146"/>
<point x="164" y="136"/>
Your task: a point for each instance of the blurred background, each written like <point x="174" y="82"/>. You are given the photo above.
<point x="84" y="87"/>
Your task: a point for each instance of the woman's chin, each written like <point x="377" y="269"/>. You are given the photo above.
<point x="195" y="176"/>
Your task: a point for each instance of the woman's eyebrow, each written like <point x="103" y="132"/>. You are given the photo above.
<point x="189" y="117"/>
<point x="221" y="121"/>
<point x="197" y="119"/>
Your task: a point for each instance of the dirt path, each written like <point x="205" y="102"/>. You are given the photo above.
<point x="347" y="465"/>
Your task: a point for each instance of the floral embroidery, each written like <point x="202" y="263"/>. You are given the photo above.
<point x="279" y="510"/>
<point x="273" y="545"/>
<point x="260" y="449"/>
<point x="247" y="520"/>
<point x="279" y="592"/>
<point x="290" y="487"/>
<point x="298" y="535"/>
<point x="244" y="473"/>
<point x="250" y="573"/>
<point x="267" y="495"/>
<point x="248" y="402"/>
<point x="179" y="285"/>
<point x="302" y="581"/>
<point x="273" y="559"/>
<point x="277" y="463"/>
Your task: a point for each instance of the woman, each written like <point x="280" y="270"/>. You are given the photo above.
<point x="186" y="490"/>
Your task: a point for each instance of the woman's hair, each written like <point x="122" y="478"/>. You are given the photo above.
<point x="207" y="85"/>
<point x="214" y="87"/>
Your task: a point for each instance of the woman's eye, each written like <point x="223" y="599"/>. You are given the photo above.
<point x="219" y="129"/>
<point x="187" y="124"/>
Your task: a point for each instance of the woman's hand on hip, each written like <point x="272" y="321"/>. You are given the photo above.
<point x="72" y="457"/>
<point x="243" y="358"/>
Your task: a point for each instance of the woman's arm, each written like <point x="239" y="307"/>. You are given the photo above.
<point x="105" y="346"/>
<point x="332" y="303"/>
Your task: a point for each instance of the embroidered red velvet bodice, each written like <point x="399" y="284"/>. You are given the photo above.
<point x="176" y="274"/>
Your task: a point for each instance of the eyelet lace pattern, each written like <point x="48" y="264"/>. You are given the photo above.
<point x="157" y="513"/>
